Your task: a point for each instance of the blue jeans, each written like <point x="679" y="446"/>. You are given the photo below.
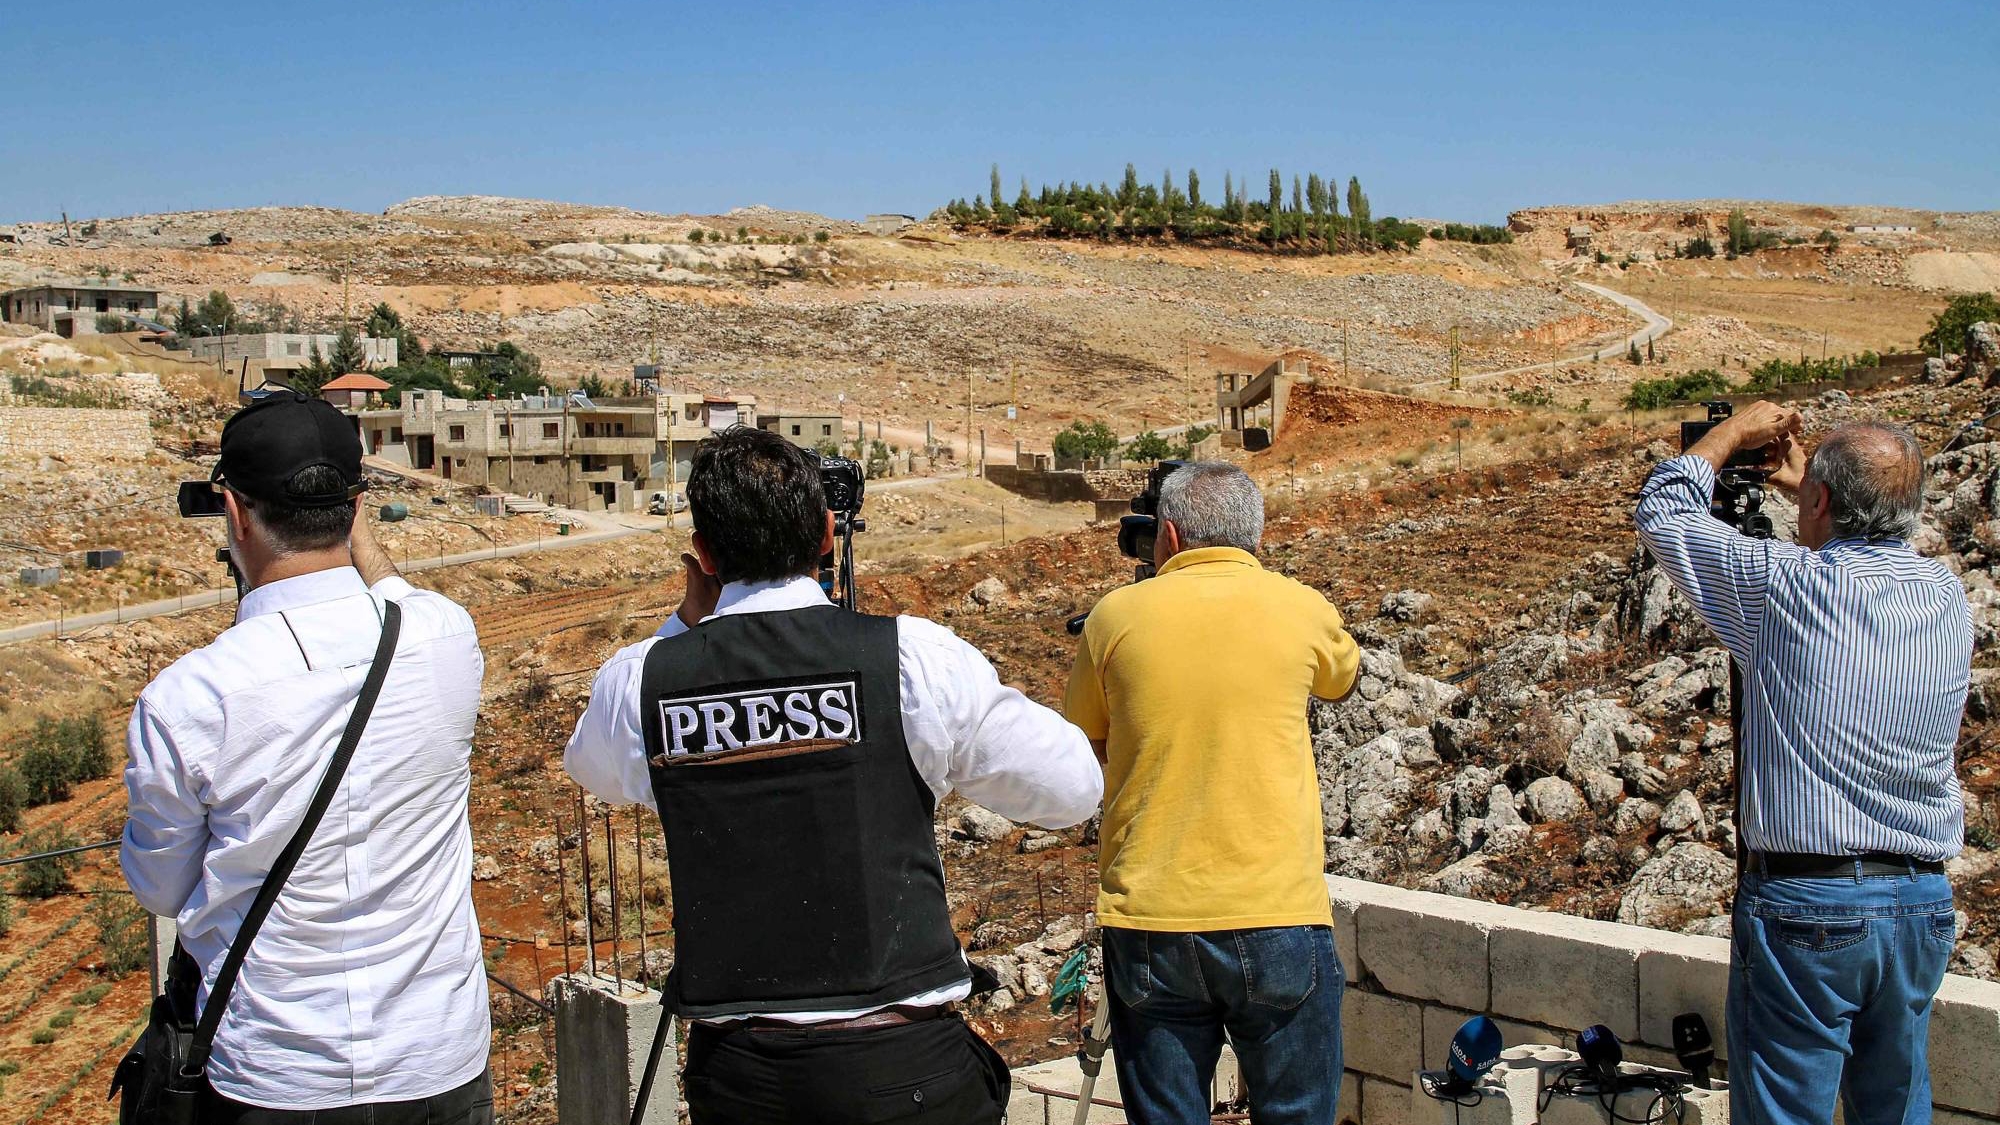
<point x="1830" y="986"/>
<point x="1275" y="991"/>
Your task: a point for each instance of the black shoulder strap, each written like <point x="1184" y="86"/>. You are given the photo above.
<point x="267" y="895"/>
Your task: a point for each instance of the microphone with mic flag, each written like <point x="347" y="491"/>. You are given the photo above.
<point x="1474" y="1051"/>
<point x="1693" y="1047"/>
<point x="1600" y="1051"/>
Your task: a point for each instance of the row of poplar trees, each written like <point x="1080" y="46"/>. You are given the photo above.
<point x="1311" y="222"/>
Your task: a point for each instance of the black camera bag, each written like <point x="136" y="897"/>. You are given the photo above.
<point x="161" y="1077"/>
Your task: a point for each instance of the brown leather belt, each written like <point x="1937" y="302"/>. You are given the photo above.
<point x="1795" y="865"/>
<point x="873" y="1021"/>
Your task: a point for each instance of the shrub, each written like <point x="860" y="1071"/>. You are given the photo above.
<point x="60" y="753"/>
<point x="110" y="322"/>
<point x="1656" y="394"/>
<point x="6" y="915"/>
<point x="13" y="798"/>
<point x="821" y="237"/>
<point x="1149" y="446"/>
<point x="695" y="235"/>
<point x="9" y="1068"/>
<point x="1191" y="437"/>
<point x="63" y="1018"/>
<point x="1088" y="441"/>
<point x="48" y="876"/>
<point x="1949" y="326"/>
<point x="1533" y="396"/>
<point x="89" y="997"/>
<point x="1697" y="247"/>
<point x="43" y="1036"/>
<point x="121" y="932"/>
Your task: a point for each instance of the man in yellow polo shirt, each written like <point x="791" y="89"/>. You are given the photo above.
<point x="1193" y="686"/>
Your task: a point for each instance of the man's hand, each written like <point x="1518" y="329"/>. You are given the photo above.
<point x="1756" y="426"/>
<point x="369" y="558"/>
<point x="1788" y="465"/>
<point x="703" y="591"/>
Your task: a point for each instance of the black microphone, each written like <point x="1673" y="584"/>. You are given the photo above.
<point x="1694" y="1047"/>
<point x="1600" y="1051"/>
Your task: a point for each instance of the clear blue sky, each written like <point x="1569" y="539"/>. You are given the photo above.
<point x="1449" y="110"/>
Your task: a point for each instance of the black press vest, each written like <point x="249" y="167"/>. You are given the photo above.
<point x="799" y="840"/>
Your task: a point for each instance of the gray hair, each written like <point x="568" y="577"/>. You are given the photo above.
<point x="1873" y="473"/>
<point x="1213" y="504"/>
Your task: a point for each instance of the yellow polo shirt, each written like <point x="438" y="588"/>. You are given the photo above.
<point x="1197" y="682"/>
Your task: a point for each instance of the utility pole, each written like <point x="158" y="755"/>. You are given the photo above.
<point x="1344" y="376"/>
<point x="1454" y="357"/>
<point x="968" y="421"/>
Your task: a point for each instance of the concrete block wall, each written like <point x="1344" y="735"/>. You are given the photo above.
<point x="28" y="431"/>
<point x="1420" y="964"/>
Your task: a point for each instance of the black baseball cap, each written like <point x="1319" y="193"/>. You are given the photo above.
<point x="267" y="444"/>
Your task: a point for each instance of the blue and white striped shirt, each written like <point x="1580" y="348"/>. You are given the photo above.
<point x="1856" y="659"/>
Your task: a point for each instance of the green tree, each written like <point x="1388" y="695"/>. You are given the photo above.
<point x="1632" y="355"/>
<point x="994" y="194"/>
<point x="57" y="754"/>
<point x="1089" y="441"/>
<point x="1949" y="326"/>
<point x="216" y="314"/>
<point x="1194" y="189"/>
<point x="348" y="354"/>
<point x="47" y="876"/>
<point x="316" y="373"/>
<point x="1128" y="188"/>
<point x="1354" y="207"/>
<point x="1149" y="446"/>
<point x="1273" y="215"/>
<point x="592" y="386"/>
<point x="1191" y="437"/>
<point x="185" y="322"/>
<point x="1739" y="234"/>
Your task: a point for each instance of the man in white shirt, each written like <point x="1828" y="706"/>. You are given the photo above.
<point x="796" y="752"/>
<point x="363" y="998"/>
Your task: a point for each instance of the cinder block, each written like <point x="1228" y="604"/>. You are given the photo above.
<point x="1385" y="1103"/>
<point x="1683" y="973"/>
<point x="1965" y="1046"/>
<point x="1706" y="1107"/>
<point x="1381" y="1035"/>
<point x="1024" y="1104"/>
<point x="1566" y="972"/>
<point x="604" y="1031"/>
<point x="1429" y="947"/>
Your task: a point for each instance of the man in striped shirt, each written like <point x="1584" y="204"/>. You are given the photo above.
<point x="1854" y="653"/>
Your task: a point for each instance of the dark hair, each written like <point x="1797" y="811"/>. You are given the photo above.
<point x="758" y="504"/>
<point x="294" y="530"/>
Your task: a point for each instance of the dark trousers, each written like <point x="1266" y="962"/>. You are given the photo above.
<point x="470" y="1104"/>
<point x="936" y="1072"/>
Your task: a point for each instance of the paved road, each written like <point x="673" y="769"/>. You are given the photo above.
<point x="69" y="625"/>
<point x="1656" y="326"/>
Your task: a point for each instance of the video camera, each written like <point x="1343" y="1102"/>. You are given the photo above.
<point x="844" y="483"/>
<point x="1739" y="487"/>
<point x="1139" y="531"/>
<point x="200" y="499"/>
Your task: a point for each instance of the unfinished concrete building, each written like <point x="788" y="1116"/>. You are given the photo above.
<point x="71" y="308"/>
<point x="1245" y="402"/>
<point x="275" y="355"/>
<point x="606" y="454"/>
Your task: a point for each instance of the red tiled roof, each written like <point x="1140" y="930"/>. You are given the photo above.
<point x="356" y="381"/>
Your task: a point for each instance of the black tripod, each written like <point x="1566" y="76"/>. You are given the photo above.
<point x="836" y="567"/>
<point x="1739" y="502"/>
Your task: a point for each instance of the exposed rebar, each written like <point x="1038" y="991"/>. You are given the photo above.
<point x="589" y="921"/>
<point x="562" y="892"/>
<point x="639" y="856"/>
<point x="611" y="862"/>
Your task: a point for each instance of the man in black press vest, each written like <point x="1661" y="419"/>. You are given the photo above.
<point x="796" y="752"/>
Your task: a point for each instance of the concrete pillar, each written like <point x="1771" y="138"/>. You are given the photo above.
<point x="161" y="933"/>
<point x="604" y="1031"/>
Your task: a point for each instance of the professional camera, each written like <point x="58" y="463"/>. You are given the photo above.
<point x="844" y="483"/>
<point x="199" y="498"/>
<point x="1739" y="487"/>
<point x="1138" y="532"/>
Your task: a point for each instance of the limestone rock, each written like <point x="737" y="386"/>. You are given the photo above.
<point x="1682" y="813"/>
<point x="987" y="592"/>
<point x="1474" y="876"/>
<point x="1603" y="789"/>
<point x="1635" y="814"/>
<point x="1405" y="605"/>
<point x="485" y="868"/>
<point x="983" y="825"/>
<point x="1551" y="800"/>
<point x="1686" y="882"/>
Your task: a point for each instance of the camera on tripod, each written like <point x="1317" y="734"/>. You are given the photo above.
<point x="844" y="483"/>
<point x="1739" y="488"/>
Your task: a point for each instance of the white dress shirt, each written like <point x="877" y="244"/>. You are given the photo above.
<point x="965" y="730"/>
<point x="366" y="982"/>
